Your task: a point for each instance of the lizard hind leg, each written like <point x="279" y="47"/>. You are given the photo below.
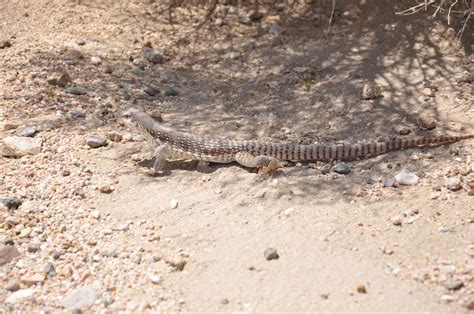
<point x="265" y="163"/>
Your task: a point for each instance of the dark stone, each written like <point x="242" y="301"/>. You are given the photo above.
<point x="151" y="91"/>
<point x="78" y="114"/>
<point x="170" y="92"/>
<point x="126" y="96"/>
<point x="12" y="203"/>
<point x="95" y="141"/>
<point x="4" y="43"/>
<point x="255" y="16"/>
<point x="151" y="55"/>
<point x="341" y="168"/>
<point x="8" y="241"/>
<point x="33" y="247"/>
<point x="270" y="254"/>
<point x="81" y="42"/>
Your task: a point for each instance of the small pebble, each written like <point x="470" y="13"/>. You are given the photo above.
<point x="396" y="220"/>
<point x="28" y="130"/>
<point x="12" y="203"/>
<point x="152" y="56"/>
<point x="12" y="286"/>
<point x="95" y="141"/>
<point x="171" y="92"/>
<point x="445" y="229"/>
<point x="173" y="204"/>
<point x="341" y="168"/>
<point x="405" y="177"/>
<point x="76" y="90"/>
<point x="78" y="114"/>
<point x="151" y="91"/>
<point x="454" y="183"/>
<point x="402" y="130"/>
<point x="8" y="241"/>
<point x="20" y="296"/>
<point x="80" y="297"/>
<point x="96" y="60"/>
<point x="155" y="279"/>
<point x="33" y="247"/>
<point x="270" y="254"/>
<point x="49" y="269"/>
<point x="81" y="42"/>
<point x="453" y="284"/>
<point x="361" y="289"/>
<point x="389" y="182"/>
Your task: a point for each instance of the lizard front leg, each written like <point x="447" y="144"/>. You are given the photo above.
<point x="265" y="163"/>
<point x="161" y="153"/>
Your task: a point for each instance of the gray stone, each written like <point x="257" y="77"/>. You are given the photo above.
<point x="78" y="114"/>
<point x="341" y="168"/>
<point x="80" y="297"/>
<point x="270" y="254"/>
<point x="453" y="284"/>
<point x="19" y="146"/>
<point x="33" y="247"/>
<point x="389" y="182"/>
<point x="151" y="55"/>
<point x="76" y="90"/>
<point x="7" y="254"/>
<point x="151" y="91"/>
<point x="12" y="203"/>
<point x="95" y="141"/>
<point x="49" y="269"/>
<point x="170" y="92"/>
<point x="276" y="29"/>
<point x="405" y="177"/>
<point x="8" y="241"/>
<point x="20" y="296"/>
<point x="81" y="42"/>
<point x="28" y="130"/>
<point x="454" y="183"/>
<point x="402" y="130"/>
<point x="126" y="96"/>
<point x="4" y="43"/>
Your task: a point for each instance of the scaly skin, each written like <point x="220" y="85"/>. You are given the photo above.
<point x="180" y="145"/>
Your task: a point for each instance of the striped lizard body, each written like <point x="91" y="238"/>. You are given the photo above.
<point x="174" y="144"/>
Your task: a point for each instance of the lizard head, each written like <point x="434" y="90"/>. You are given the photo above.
<point x="128" y="116"/>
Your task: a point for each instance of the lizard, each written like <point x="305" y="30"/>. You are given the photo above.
<point x="171" y="144"/>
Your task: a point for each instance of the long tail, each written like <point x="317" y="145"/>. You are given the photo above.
<point x="346" y="152"/>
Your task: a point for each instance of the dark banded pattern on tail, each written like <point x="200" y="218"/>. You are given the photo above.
<point x="217" y="149"/>
<point x="346" y="152"/>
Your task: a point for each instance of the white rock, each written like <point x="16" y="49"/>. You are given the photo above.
<point x="155" y="279"/>
<point x="405" y="177"/>
<point x="95" y="214"/>
<point x="173" y="204"/>
<point x="454" y="183"/>
<point x="19" y="146"/>
<point x="20" y="295"/>
<point x="96" y="60"/>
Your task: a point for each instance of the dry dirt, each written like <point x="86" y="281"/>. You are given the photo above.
<point x="194" y="238"/>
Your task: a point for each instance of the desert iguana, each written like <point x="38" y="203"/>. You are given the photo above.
<point x="175" y="145"/>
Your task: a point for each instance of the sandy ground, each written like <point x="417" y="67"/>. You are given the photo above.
<point x="194" y="238"/>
